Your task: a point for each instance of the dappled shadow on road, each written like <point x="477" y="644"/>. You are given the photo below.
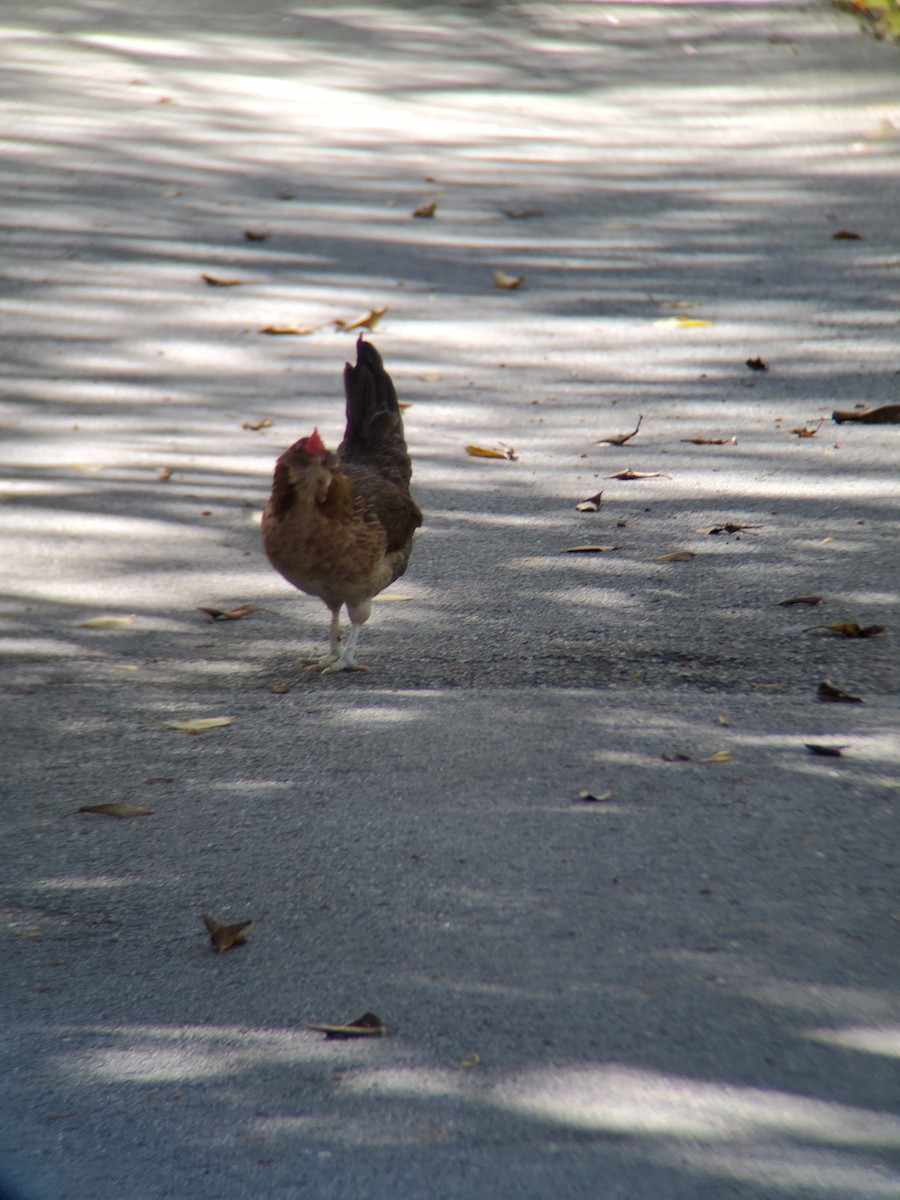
<point x="683" y="979"/>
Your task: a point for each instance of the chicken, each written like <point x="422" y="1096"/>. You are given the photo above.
<point x="340" y="526"/>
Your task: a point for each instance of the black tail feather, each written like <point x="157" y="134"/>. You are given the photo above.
<point x="374" y="433"/>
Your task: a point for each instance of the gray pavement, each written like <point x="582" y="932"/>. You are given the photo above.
<point x="685" y="987"/>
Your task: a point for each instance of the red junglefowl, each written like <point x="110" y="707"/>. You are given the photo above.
<point x="340" y="526"/>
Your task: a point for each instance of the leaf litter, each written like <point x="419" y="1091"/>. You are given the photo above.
<point x="367" y="1025"/>
<point x="831" y="692"/>
<point x="223" y="935"/>
<point x="117" y="809"/>
<point x="888" y="414"/>
<point x="619" y="439"/>
<point x="231" y="614"/>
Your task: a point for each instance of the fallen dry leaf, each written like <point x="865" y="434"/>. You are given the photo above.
<point x="106" y="622"/>
<point x="888" y="414"/>
<point x="757" y="364"/>
<point x="522" y="214"/>
<point x="117" y="810"/>
<point x="281" y="688"/>
<point x="730" y="527"/>
<point x="719" y="756"/>
<point x="367" y="321"/>
<point x="368" y="1025"/>
<point x="256" y="426"/>
<point x="231" y="614"/>
<point x="197" y="724"/>
<point x="590" y="798"/>
<point x="846" y="235"/>
<point x="850" y="629"/>
<point x="810" y="600"/>
<point x="675" y="556"/>
<point x="804" y="432"/>
<point x="164" y="474"/>
<point x="705" y="441"/>
<point x="484" y="452"/>
<point x="675" y="756"/>
<point x="591" y="505"/>
<point x="721" y="719"/>
<point x="680" y="323"/>
<point x="589" y="549"/>
<point x="639" y="475"/>
<point x="508" y="282"/>
<point x="829" y="691"/>
<point x="223" y="935"/>
<point x="826" y="751"/>
<point x="288" y="330"/>
<point x="425" y="210"/>
<point x="619" y="439"/>
<point x="255" y="235"/>
<point x="215" y="281"/>
<point x="470" y="1060"/>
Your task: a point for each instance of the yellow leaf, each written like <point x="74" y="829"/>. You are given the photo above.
<point x="117" y="810"/>
<point x="719" y="756"/>
<point x="592" y="549"/>
<point x="484" y="452"/>
<point x="470" y="1060"/>
<point x="680" y="323"/>
<point x="676" y="556"/>
<point x="508" y="282"/>
<point x="107" y="622"/>
<point x="256" y="426"/>
<point x="198" y="724"/>
<point x="89" y="468"/>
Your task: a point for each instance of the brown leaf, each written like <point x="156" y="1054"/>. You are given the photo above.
<point x="810" y="600"/>
<point x="589" y="549"/>
<point x="808" y="433"/>
<point x="223" y="936"/>
<point x="730" y="527"/>
<point x="757" y="364"/>
<point x="846" y="235"/>
<point x="830" y="691"/>
<point x="164" y="474"/>
<point x="288" y="330"/>
<point x="888" y="414"/>
<point x="231" y="614"/>
<point x="425" y="210"/>
<point x="255" y="235"/>
<point x="215" y="281"/>
<point x="367" y="321"/>
<point x="256" y="426"/>
<point x="281" y="688"/>
<point x="522" y="214"/>
<point x="721" y="719"/>
<point x="705" y="441"/>
<point x="619" y="439"/>
<point x="639" y="475"/>
<point x="591" y="505"/>
<point x="851" y="629"/>
<point x="674" y="756"/>
<point x="826" y="751"/>
<point x="117" y="810"/>
<point x="483" y="452"/>
<point x="368" y="1025"/>
<point x="675" y="556"/>
<point x="590" y="798"/>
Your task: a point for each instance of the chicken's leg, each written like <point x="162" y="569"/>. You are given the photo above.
<point x="344" y="660"/>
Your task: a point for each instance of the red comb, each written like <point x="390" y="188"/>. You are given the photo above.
<point x="314" y="444"/>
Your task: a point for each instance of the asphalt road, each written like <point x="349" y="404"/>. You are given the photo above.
<point x="630" y="938"/>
